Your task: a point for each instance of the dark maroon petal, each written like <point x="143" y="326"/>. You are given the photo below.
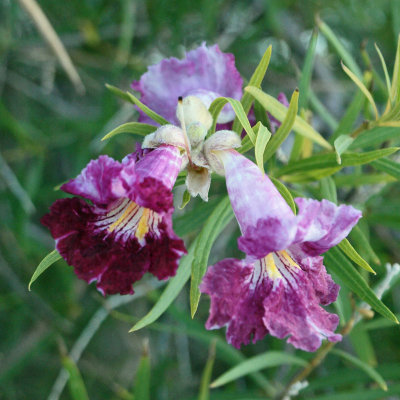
<point x="322" y="224"/>
<point x="234" y="303"/>
<point x="164" y="251"/>
<point x="95" y="181"/>
<point x="107" y="245"/>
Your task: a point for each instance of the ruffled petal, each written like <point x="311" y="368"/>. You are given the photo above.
<point x="95" y="181"/>
<point x="233" y="302"/>
<point x="272" y="295"/>
<point x="204" y="69"/>
<point x="322" y="224"/>
<point x="116" y="245"/>
<point x="266" y="221"/>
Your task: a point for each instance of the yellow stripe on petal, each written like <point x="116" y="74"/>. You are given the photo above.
<point x="287" y="257"/>
<point x="126" y="212"/>
<point x="143" y="226"/>
<point x="271" y="268"/>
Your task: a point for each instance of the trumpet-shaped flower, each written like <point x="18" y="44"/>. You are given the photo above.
<point x="126" y="229"/>
<point x="205" y="72"/>
<point x="278" y="289"/>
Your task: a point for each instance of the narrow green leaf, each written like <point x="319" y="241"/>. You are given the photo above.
<point x="385" y="70"/>
<point x="262" y="361"/>
<point x="375" y="137"/>
<point x="357" y="235"/>
<point x="185" y="200"/>
<point x="390" y="167"/>
<point x="256" y="81"/>
<point x="394" y="90"/>
<point x="218" y="104"/>
<point x="363" y="88"/>
<point x="306" y="72"/>
<point x="49" y="260"/>
<point x="341" y="144"/>
<point x="284" y="191"/>
<point x="283" y="131"/>
<point x="141" y="388"/>
<point x="217" y="221"/>
<point x="279" y="111"/>
<point x="170" y="293"/>
<point x="132" y="99"/>
<point x="351" y="252"/>
<point x="339" y="48"/>
<point x="328" y="189"/>
<point x="328" y="160"/>
<point x="362" y="344"/>
<point x="350" y="117"/>
<point x="309" y="176"/>
<point x="344" y="270"/>
<point x="76" y="385"/>
<point x="136" y="128"/>
<point x="206" y="377"/>
<point x="371" y="372"/>
<point x="246" y="145"/>
<point x="263" y="136"/>
<point x="357" y="179"/>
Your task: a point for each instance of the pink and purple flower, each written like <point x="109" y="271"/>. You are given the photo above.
<point x="278" y="289"/>
<point x="205" y="72"/>
<point x="126" y="229"/>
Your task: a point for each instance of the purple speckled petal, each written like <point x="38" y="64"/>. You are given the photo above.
<point x="116" y="245"/>
<point x="204" y="69"/>
<point x="322" y="224"/>
<point x="266" y="221"/>
<point x="233" y="303"/>
<point x="95" y="181"/>
<point x="273" y="295"/>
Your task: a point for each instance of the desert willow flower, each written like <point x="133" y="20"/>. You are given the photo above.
<point x="125" y="230"/>
<point x="278" y="289"/>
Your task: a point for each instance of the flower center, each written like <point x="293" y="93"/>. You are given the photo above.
<point x="125" y="218"/>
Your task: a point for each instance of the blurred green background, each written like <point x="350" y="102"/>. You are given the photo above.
<point x="49" y="132"/>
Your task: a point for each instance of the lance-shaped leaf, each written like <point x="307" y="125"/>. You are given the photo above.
<point x="262" y="361"/>
<point x="363" y="366"/>
<point x="363" y="88"/>
<point x="358" y="236"/>
<point x="279" y="111"/>
<point x="141" y="388"/>
<point x="328" y="160"/>
<point x="206" y="377"/>
<point x="132" y="99"/>
<point x="375" y="137"/>
<point x="351" y="252"/>
<point x="283" y="131"/>
<point x="389" y="166"/>
<point x="76" y="385"/>
<point x="255" y="80"/>
<point x="263" y="136"/>
<point x="218" y="104"/>
<point x="137" y="128"/>
<point x="217" y="221"/>
<point x="47" y="262"/>
<point x="344" y="270"/>
<point x="341" y="144"/>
